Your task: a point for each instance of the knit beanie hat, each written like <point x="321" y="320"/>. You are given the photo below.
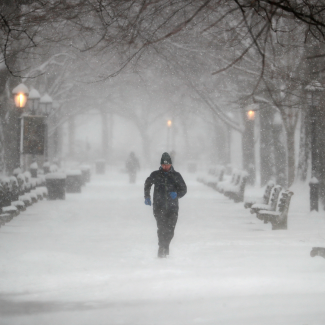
<point x="165" y="159"/>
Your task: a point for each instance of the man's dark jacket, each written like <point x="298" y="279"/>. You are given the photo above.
<point x="165" y="182"/>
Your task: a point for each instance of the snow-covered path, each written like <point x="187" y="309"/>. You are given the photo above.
<point x="91" y="259"/>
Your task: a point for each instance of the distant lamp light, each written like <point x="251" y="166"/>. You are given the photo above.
<point x="169" y="123"/>
<point x="250" y="115"/>
<point x="20" y="93"/>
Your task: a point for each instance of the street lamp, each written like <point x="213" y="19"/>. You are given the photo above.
<point x="34" y="99"/>
<point x="20" y="94"/>
<point x="314" y="91"/>
<point x="46" y="107"/>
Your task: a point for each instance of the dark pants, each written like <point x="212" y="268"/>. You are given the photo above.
<point x="132" y="176"/>
<point x="166" y="222"/>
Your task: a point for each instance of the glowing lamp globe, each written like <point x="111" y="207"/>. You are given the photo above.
<point x="20" y="93"/>
<point x="251" y="115"/>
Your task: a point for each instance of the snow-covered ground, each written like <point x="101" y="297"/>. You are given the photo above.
<point x="91" y="259"/>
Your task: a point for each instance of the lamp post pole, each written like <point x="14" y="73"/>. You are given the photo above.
<point x="314" y="90"/>
<point x="169" y="125"/>
<point x="20" y="94"/>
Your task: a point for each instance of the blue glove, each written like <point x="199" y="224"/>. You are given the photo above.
<point x="147" y="201"/>
<point x="173" y="195"/>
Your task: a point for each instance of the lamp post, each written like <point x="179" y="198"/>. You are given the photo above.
<point x="46" y="107"/>
<point x="314" y="91"/>
<point x="248" y="142"/>
<point x="20" y="94"/>
<point x="169" y="125"/>
<point x="279" y="150"/>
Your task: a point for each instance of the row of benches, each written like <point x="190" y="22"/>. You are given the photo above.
<point x="19" y="192"/>
<point x="232" y="187"/>
<point x="273" y="207"/>
<point x="22" y="190"/>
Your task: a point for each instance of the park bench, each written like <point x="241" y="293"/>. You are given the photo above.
<point x="6" y="198"/>
<point x="100" y="166"/>
<point x="74" y="181"/>
<point x="264" y="200"/>
<point x="28" y="185"/>
<point x="85" y="174"/>
<point x="46" y="167"/>
<point x="23" y="196"/>
<point x="15" y="191"/>
<point x="55" y="183"/>
<point x="318" y="251"/>
<point x="279" y="217"/>
<point x="271" y="205"/>
<point x="236" y="190"/>
<point x="229" y="181"/>
<point x="215" y="177"/>
<point x="4" y="218"/>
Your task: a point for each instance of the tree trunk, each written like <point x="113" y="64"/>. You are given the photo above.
<point x="146" y="147"/>
<point x="266" y="145"/>
<point x="291" y="156"/>
<point x="304" y="146"/>
<point x="320" y="145"/>
<point x="104" y="134"/>
<point x="221" y="142"/>
<point x="280" y="161"/>
<point x="228" y="146"/>
<point x="71" y="132"/>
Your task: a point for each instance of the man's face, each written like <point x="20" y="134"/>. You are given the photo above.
<point x="166" y="167"/>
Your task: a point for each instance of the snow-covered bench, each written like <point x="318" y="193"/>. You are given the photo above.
<point x="74" y="181"/>
<point x="264" y="200"/>
<point x="279" y="217"/>
<point x="318" y="251"/>
<point x="20" y="205"/>
<point x="4" y="218"/>
<point x="271" y="205"/>
<point x="204" y="177"/>
<point x="26" y="198"/>
<point x="236" y="190"/>
<point x="212" y="176"/>
<point x="216" y="177"/>
<point x="228" y="181"/>
<point x="12" y="210"/>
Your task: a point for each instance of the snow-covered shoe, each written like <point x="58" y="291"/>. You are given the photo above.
<point x="161" y="252"/>
<point x="167" y="250"/>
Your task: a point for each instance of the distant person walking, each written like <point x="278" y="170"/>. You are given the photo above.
<point x="169" y="187"/>
<point x="132" y="166"/>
